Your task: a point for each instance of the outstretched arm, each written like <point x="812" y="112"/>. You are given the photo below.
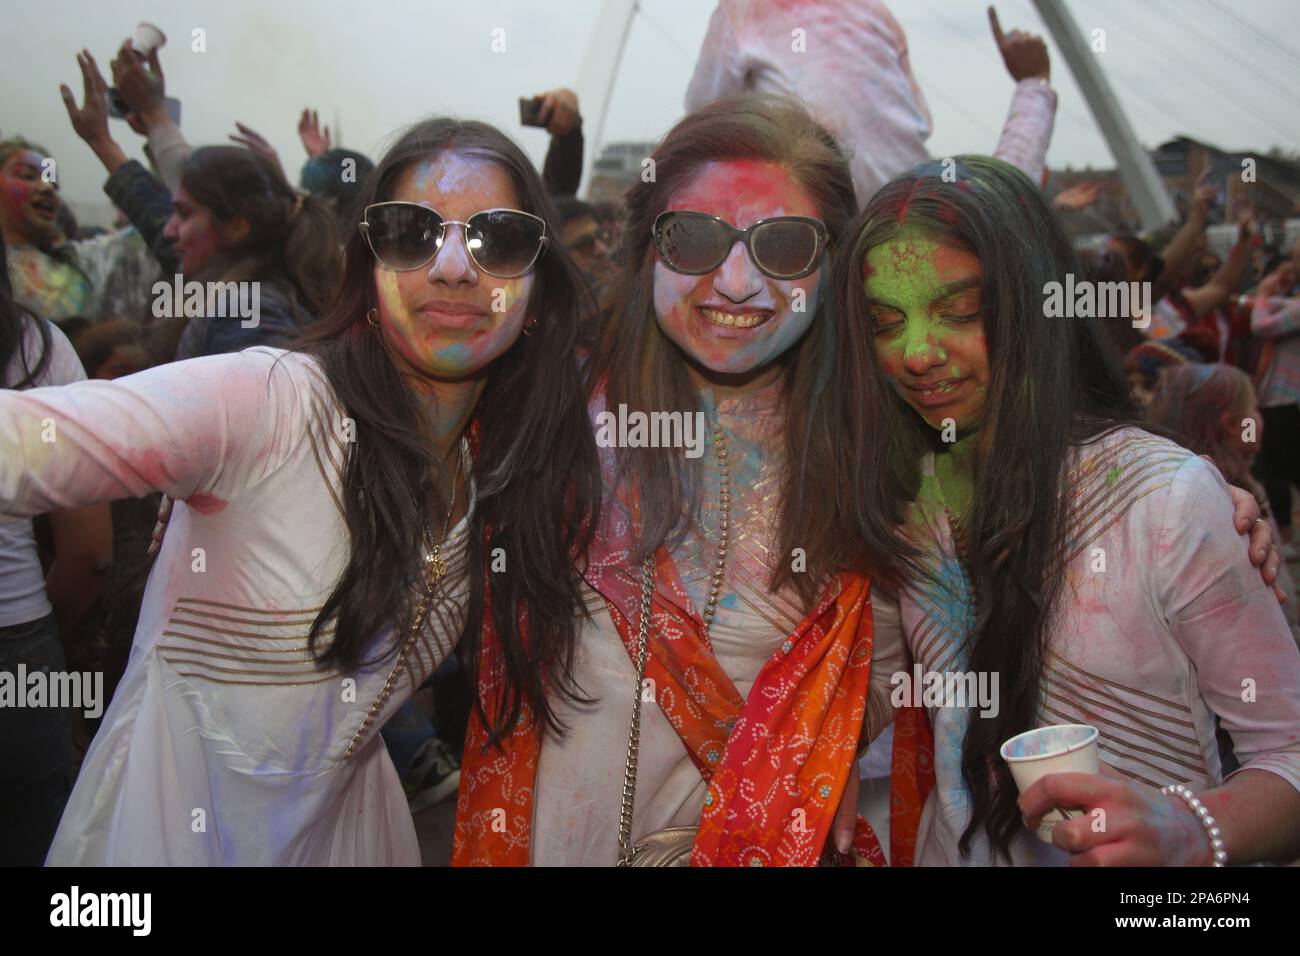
<point x="200" y="431"/>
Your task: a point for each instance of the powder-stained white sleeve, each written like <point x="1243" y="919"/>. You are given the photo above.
<point x="1027" y="132"/>
<point x="200" y="431"/>
<point x="1228" y="622"/>
<point x="718" y="71"/>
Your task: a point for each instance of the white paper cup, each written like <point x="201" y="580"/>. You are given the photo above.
<point x="147" y="38"/>
<point x="1061" y="748"/>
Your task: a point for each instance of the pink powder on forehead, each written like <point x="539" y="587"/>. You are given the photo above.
<point x="952" y="263"/>
<point x="907" y="201"/>
<point x="744" y="189"/>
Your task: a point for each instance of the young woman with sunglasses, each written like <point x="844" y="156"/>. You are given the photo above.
<point x="1088" y="564"/>
<point x="757" y="652"/>
<point x="330" y="501"/>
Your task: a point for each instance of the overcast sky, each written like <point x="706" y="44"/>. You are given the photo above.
<point x="1224" y="71"/>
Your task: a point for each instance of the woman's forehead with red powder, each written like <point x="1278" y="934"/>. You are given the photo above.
<point x="743" y="191"/>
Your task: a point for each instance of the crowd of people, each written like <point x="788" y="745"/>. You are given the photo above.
<point x="362" y="460"/>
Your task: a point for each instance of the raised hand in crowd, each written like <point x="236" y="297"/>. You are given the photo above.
<point x="1079" y="196"/>
<point x="559" y="111"/>
<point x="314" y="140"/>
<point x="252" y="139"/>
<point x="1025" y="54"/>
<point x="143" y="90"/>
<point x="1178" y="253"/>
<point x="90" y="120"/>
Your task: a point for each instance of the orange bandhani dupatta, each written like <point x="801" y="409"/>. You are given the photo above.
<point x="776" y="762"/>
<point x="910" y="782"/>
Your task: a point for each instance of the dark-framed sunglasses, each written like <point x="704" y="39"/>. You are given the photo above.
<point x="783" y="247"/>
<point x="505" y="243"/>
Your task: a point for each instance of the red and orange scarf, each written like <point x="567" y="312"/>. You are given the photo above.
<point x="776" y="762"/>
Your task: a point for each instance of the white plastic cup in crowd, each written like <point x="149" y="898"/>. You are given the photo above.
<point x="1061" y="748"/>
<point x="147" y="38"/>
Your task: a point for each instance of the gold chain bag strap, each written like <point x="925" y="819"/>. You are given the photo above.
<point x="672" y="846"/>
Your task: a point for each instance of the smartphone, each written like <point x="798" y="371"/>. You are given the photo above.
<point x="530" y="111"/>
<point x="118" y="109"/>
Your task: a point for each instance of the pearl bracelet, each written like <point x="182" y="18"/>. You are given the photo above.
<point x="1203" y="814"/>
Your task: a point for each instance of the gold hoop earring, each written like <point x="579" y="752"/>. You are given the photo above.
<point x="371" y="317"/>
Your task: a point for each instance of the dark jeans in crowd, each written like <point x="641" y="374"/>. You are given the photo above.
<point x="1279" y="459"/>
<point x="35" y="749"/>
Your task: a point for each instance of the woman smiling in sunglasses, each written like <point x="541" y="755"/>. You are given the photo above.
<point x="749" y="678"/>
<point x="332" y="499"/>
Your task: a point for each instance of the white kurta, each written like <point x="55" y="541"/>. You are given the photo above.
<point x="224" y="743"/>
<point x="579" y="783"/>
<point x="1160" y="624"/>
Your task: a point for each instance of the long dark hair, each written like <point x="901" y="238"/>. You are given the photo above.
<point x="537" y="477"/>
<point x="1052" y="385"/>
<point x="646" y="370"/>
<point x="298" y="251"/>
<point x="12" y="339"/>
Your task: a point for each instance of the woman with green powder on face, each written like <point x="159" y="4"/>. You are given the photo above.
<point x="1089" y="565"/>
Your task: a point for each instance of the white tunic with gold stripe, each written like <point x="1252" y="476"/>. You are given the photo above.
<point x="225" y="743"/>
<point x="1162" y="625"/>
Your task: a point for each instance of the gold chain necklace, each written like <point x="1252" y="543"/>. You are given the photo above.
<point x="435" y="569"/>
<point x="434" y="561"/>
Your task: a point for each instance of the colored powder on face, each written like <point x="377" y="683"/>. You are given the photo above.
<point x="907" y="278"/>
<point x="448" y="172"/>
<point x="16" y="198"/>
<point x="907" y="203"/>
<point x="741" y="193"/>
<point x="422" y="174"/>
<point x="744" y="191"/>
<point x="454" y="354"/>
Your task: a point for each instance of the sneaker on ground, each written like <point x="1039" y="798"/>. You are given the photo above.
<point x="434" y="775"/>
